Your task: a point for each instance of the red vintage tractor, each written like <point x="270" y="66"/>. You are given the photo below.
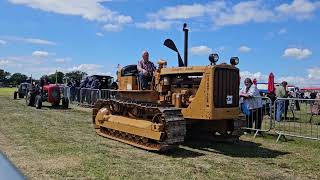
<point x="50" y="93"/>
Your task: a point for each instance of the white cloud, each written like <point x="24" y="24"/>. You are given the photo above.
<point x="257" y="75"/>
<point x="188" y="11"/>
<point x="21" y="62"/>
<point x="86" y="67"/>
<point x="157" y="24"/>
<point x="181" y="12"/>
<point x="243" y="12"/>
<point x="300" y="9"/>
<point x="163" y="18"/>
<point x="62" y="60"/>
<point x="224" y="13"/>
<point x="219" y="11"/>
<point x="90" y="69"/>
<point x="40" y="54"/>
<point x="244" y="49"/>
<point x="282" y="31"/>
<point x="99" y="34"/>
<point x="92" y="10"/>
<point x="29" y="40"/>
<point x="38" y="41"/>
<point x="4" y="62"/>
<point x="313" y="78"/>
<point x="121" y="19"/>
<point x="112" y="27"/>
<point x="297" y="53"/>
<point x="200" y="50"/>
<point x="38" y="67"/>
<point x="296" y="80"/>
<point x="2" y="42"/>
<point x="314" y="73"/>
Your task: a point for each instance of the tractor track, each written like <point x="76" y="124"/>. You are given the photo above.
<point x="170" y="117"/>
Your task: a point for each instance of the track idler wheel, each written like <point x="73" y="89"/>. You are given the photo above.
<point x="102" y="115"/>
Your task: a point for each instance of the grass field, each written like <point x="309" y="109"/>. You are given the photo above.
<point x="61" y="144"/>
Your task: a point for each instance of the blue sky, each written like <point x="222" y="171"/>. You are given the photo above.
<point x="40" y="36"/>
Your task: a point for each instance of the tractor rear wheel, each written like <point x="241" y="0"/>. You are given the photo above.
<point x="30" y="99"/>
<point x="65" y="103"/>
<point x="15" y="95"/>
<point x="38" y="103"/>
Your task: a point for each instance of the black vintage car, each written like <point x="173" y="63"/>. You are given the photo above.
<point x="22" y="90"/>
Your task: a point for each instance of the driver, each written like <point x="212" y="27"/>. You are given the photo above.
<point x="145" y="68"/>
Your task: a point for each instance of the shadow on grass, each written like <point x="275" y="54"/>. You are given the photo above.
<point x="179" y="152"/>
<point x="245" y="149"/>
<point x="53" y="107"/>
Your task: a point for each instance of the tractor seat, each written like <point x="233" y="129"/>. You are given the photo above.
<point x="130" y="70"/>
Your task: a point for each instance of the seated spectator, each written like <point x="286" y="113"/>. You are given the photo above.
<point x="145" y="69"/>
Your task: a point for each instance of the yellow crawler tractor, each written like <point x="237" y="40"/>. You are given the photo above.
<point x="182" y="102"/>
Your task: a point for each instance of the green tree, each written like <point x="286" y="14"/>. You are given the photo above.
<point x="75" y="75"/>
<point x="58" y="75"/>
<point x="17" y="78"/>
<point x="4" y="75"/>
<point x="52" y="77"/>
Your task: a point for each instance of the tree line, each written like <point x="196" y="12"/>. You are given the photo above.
<point x="6" y="78"/>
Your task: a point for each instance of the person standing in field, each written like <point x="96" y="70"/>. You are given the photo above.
<point x="280" y="105"/>
<point x="252" y="104"/>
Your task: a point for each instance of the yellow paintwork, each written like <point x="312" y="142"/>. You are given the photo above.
<point x="202" y="105"/>
<point x="200" y="108"/>
<point x="130" y="125"/>
<point x="127" y="82"/>
<point x="184" y="70"/>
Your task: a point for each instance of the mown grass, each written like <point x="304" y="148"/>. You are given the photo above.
<point x="61" y="144"/>
<point x="7" y="91"/>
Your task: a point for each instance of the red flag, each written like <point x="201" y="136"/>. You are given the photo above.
<point x="271" y="87"/>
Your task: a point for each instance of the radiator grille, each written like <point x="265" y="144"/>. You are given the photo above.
<point x="226" y="87"/>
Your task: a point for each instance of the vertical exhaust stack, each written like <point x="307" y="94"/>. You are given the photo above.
<point x="170" y="44"/>
<point x="185" y="57"/>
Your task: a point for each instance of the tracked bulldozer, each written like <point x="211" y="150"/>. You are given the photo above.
<point x="184" y="101"/>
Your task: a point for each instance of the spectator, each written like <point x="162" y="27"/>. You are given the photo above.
<point x="84" y="82"/>
<point x="145" y="68"/>
<point x="252" y="104"/>
<point x="297" y="95"/>
<point x="76" y="83"/>
<point x="69" y="84"/>
<point x="95" y="84"/>
<point x="89" y="82"/>
<point x="72" y="90"/>
<point x="281" y="93"/>
<point x="313" y="95"/>
<point x="83" y="91"/>
<point x="94" y="92"/>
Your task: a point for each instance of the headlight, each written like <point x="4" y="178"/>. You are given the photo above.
<point x="234" y="61"/>
<point x="213" y="58"/>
